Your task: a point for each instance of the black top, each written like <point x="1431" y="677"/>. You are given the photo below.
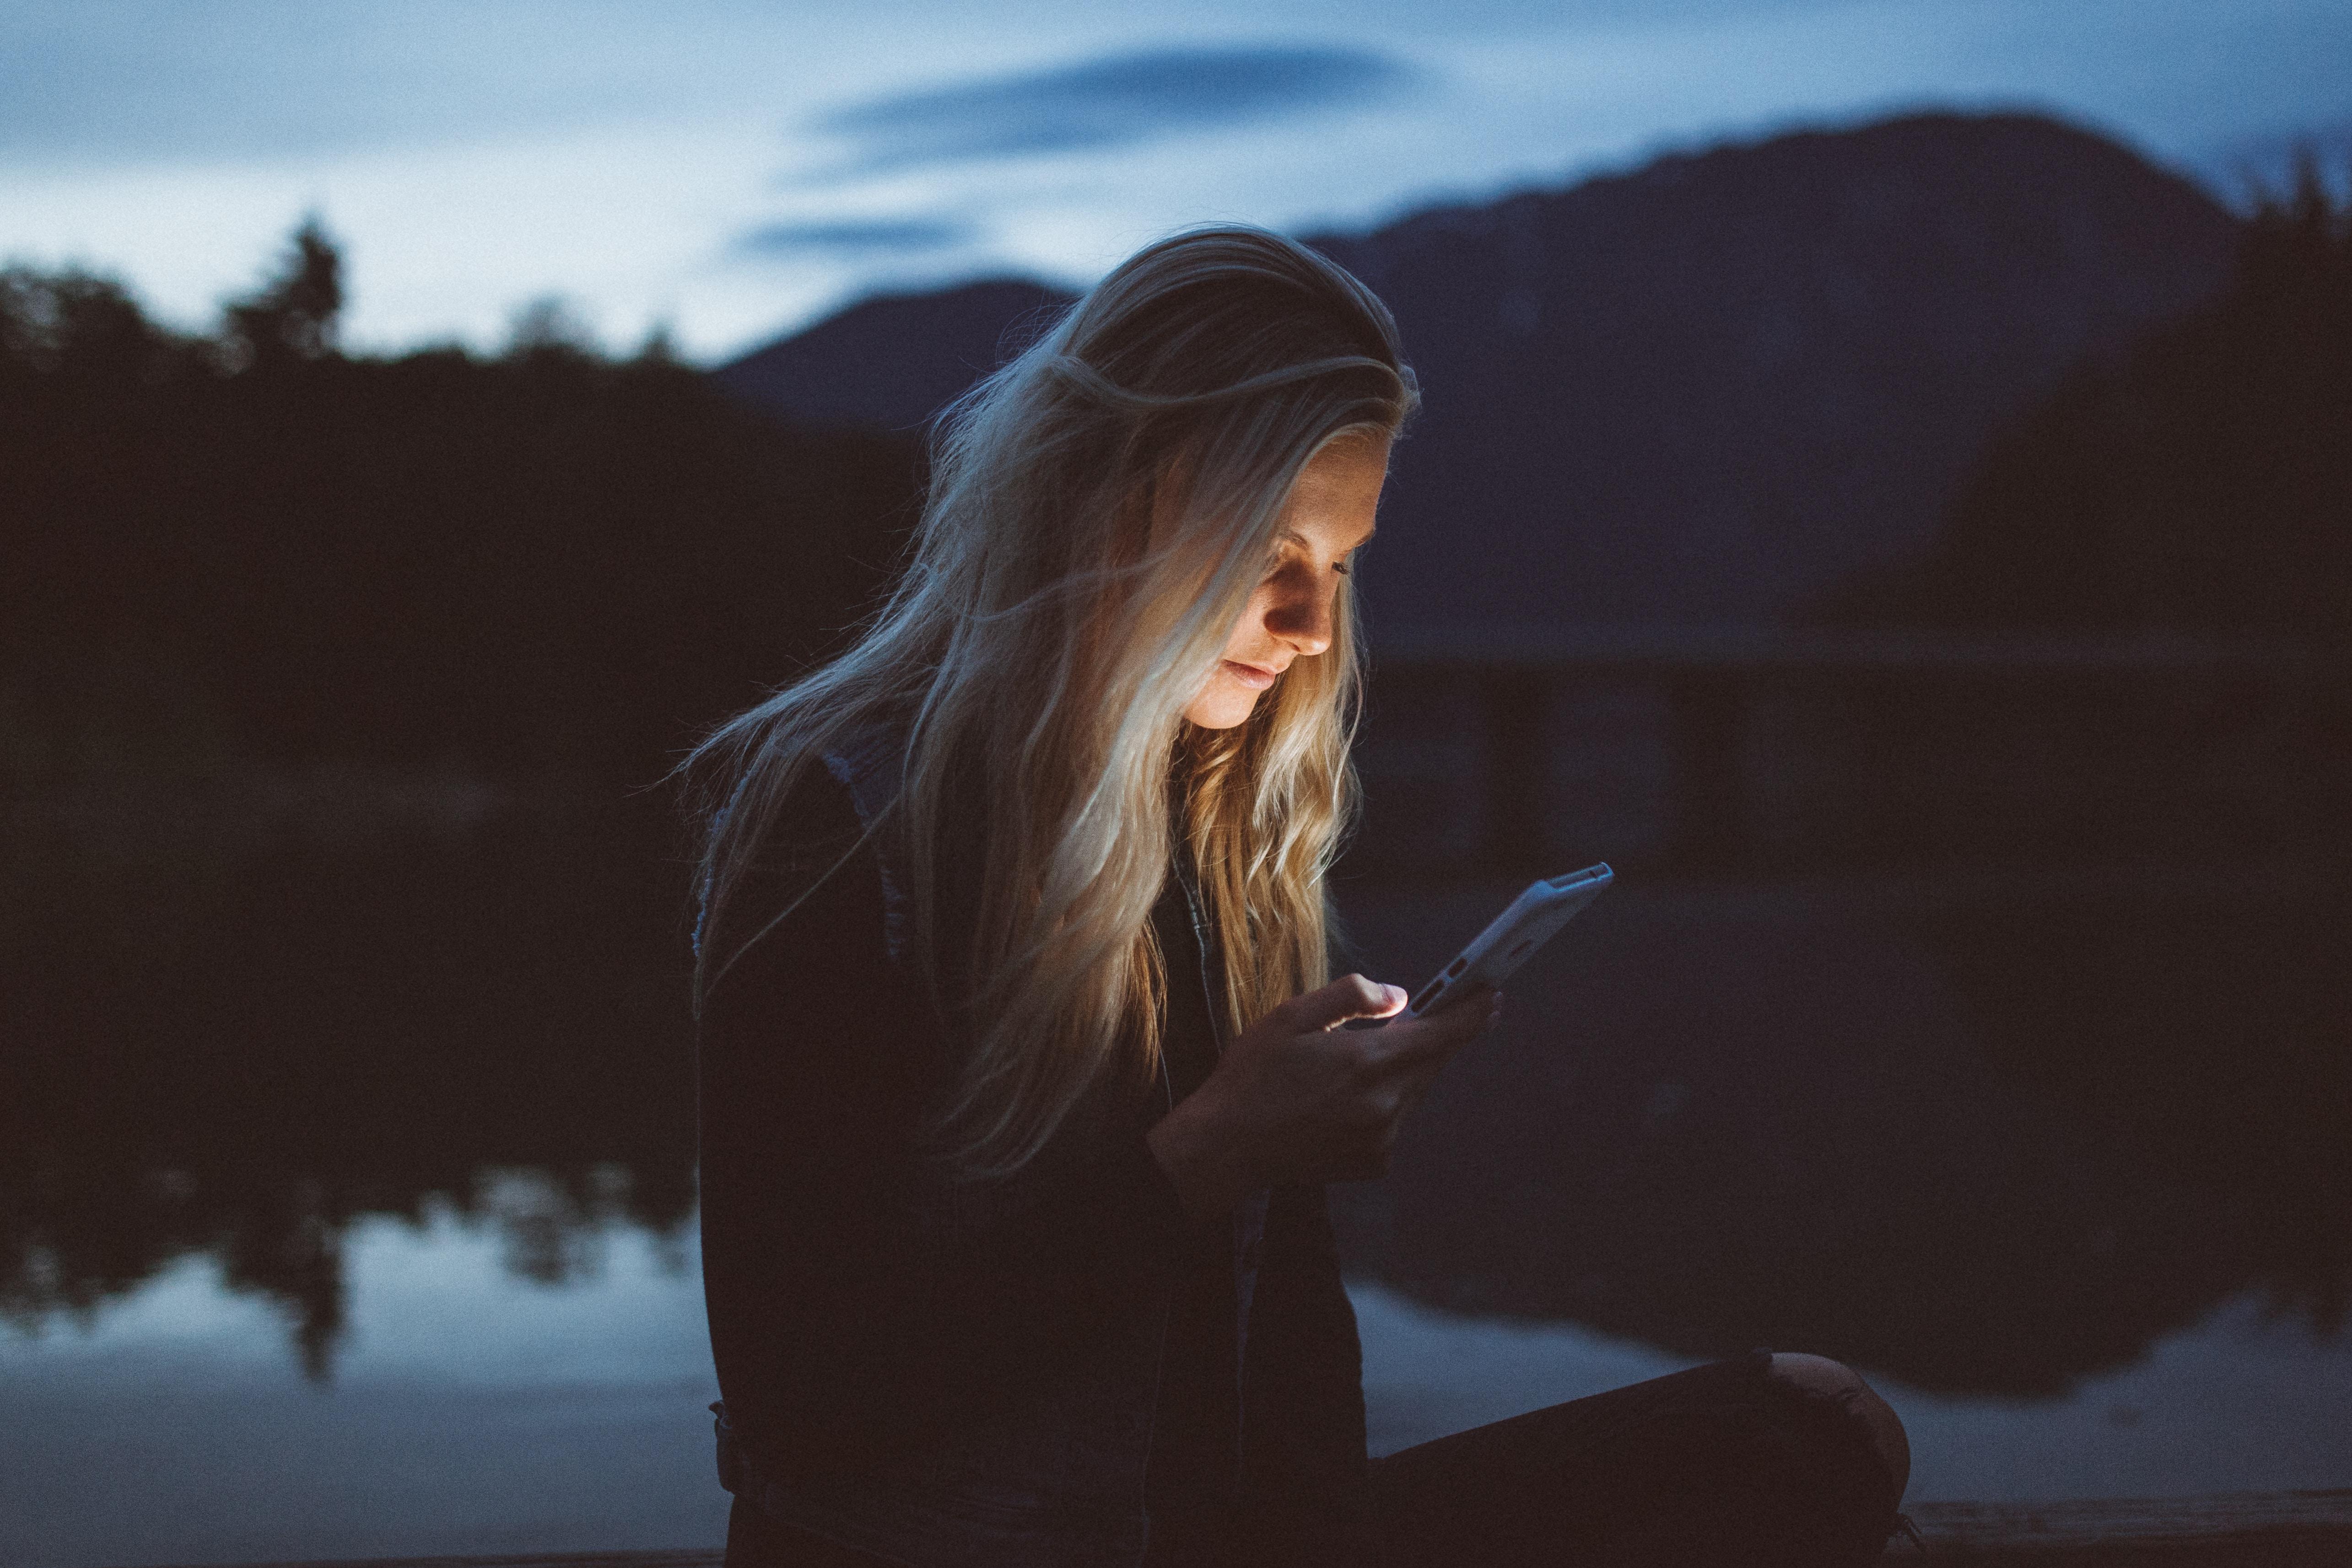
<point x="846" y="1327"/>
<point x="1189" y="1480"/>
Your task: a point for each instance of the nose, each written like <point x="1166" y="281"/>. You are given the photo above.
<point x="1301" y="615"/>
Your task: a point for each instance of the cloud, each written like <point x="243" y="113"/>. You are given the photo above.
<point x="856" y="238"/>
<point x="1111" y="102"/>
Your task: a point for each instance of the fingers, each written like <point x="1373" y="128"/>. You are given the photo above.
<point x="1349" y="996"/>
<point x="1441" y="1033"/>
<point x="1329" y="1101"/>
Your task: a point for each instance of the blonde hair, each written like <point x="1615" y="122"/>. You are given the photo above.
<point x="1100" y="510"/>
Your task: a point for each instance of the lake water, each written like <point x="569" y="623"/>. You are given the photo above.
<point x="349" y="1204"/>
<point x="474" y="1410"/>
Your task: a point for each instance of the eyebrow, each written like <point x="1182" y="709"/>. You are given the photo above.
<point x="1303" y="542"/>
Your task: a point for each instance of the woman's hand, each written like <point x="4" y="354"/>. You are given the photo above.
<point x="1296" y="1098"/>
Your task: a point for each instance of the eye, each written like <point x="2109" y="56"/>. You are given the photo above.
<point x="1341" y="567"/>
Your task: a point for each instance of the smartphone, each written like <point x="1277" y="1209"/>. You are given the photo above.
<point x="1512" y="939"/>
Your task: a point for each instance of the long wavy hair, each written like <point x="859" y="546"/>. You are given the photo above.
<point x="1100" y="510"/>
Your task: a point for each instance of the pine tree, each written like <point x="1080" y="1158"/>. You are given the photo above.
<point x="294" y="315"/>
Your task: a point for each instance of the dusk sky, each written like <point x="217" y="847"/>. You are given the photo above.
<point x="731" y="169"/>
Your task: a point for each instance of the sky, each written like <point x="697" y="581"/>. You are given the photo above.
<point x="725" y="170"/>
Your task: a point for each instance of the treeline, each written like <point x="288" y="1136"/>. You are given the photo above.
<point x="2200" y="485"/>
<point x="252" y="544"/>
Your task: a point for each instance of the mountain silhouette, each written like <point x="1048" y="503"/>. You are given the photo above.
<point x="890" y="361"/>
<point x="1700" y="392"/>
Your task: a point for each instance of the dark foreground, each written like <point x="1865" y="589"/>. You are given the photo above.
<point x="2243" y="1530"/>
<point x="2274" y="1530"/>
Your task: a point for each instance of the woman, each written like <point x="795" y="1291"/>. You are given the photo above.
<point x="1021" y="1069"/>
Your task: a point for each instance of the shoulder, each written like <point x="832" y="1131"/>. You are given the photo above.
<point x="810" y="890"/>
<point x="811" y="835"/>
<point x="838" y="797"/>
<point x="869" y="764"/>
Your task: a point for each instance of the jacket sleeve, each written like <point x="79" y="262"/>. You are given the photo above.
<point x="1306" y="1492"/>
<point x="850" y="1306"/>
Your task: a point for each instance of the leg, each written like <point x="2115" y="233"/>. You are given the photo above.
<point x="1754" y="1463"/>
<point x="755" y="1540"/>
<point x="1824" y="1378"/>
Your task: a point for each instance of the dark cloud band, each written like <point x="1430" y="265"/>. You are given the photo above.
<point x="1109" y="102"/>
<point x="855" y="237"/>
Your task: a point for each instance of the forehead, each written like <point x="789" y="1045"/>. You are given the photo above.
<point x="1338" y="491"/>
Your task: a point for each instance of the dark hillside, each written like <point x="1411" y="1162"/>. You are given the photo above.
<point x="2202" y="486"/>
<point x="1699" y="392"/>
<point x="889" y="361"/>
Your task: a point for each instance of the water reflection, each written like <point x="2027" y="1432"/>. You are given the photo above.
<point x="1989" y="1134"/>
<point x="2197" y="1030"/>
<point x="1985" y="1132"/>
<point x="476" y="1411"/>
<point x="473" y="1412"/>
<point x="241" y="1049"/>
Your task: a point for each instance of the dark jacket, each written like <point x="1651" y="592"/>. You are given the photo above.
<point x="943" y="1372"/>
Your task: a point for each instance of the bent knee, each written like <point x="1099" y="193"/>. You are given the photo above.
<point x="1833" y="1382"/>
<point x="1818" y="1375"/>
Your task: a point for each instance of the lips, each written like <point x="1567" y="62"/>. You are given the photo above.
<point x="1250" y="676"/>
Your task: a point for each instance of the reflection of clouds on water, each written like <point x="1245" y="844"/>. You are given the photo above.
<point x="437" y="1298"/>
<point x="186" y="1305"/>
<point x="549" y="1231"/>
<point x="474" y="1409"/>
<point x="296" y="1269"/>
<point x="443" y="1303"/>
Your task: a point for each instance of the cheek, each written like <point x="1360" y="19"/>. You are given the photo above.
<point x="1249" y="632"/>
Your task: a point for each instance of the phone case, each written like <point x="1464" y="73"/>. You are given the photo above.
<point x="1531" y="920"/>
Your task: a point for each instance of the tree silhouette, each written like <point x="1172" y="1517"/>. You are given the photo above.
<point x="547" y="561"/>
<point x="2200" y="485"/>
<point x="235" y="559"/>
<point x="292" y="315"/>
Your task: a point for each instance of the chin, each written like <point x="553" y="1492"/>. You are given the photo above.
<point x="1223" y="710"/>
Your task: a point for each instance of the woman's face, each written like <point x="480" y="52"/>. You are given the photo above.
<point x="1289" y="614"/>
